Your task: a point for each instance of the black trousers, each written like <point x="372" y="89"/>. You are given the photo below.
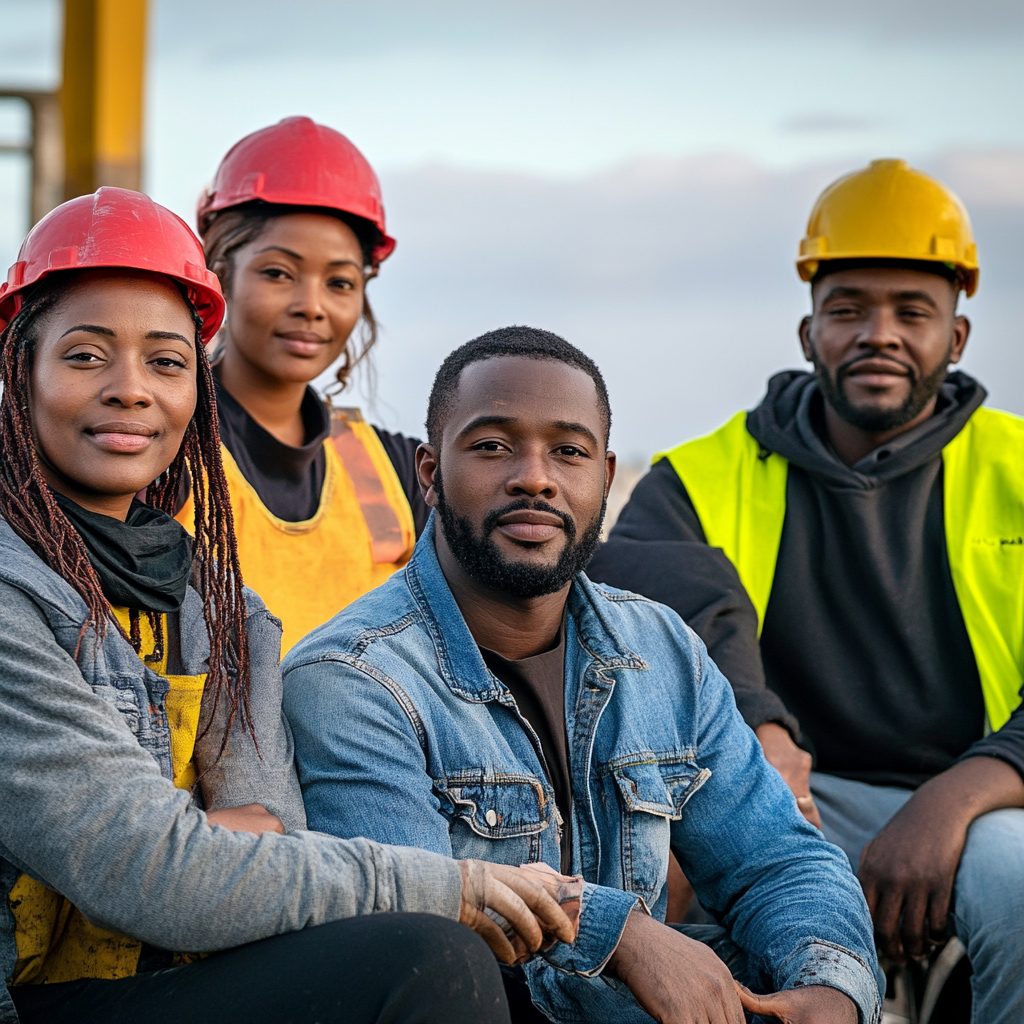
<point x="378" y="969"/>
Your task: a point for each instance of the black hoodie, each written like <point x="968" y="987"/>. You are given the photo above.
<point x="864" y="649"/>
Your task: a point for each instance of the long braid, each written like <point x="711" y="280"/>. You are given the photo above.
<point x="217" y="574"/>
<point x="28" y="505"/>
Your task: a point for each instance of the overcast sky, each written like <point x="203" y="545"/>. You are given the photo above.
<point x="634" y="176"/>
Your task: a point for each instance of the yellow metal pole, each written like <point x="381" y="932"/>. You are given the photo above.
<point x="102" y="94"/>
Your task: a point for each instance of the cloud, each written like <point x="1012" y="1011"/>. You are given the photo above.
<point x="388" y="24"/>
<point x="993" y="179"/>
<point x="675" y="275"/>
<point x="826" y="122"/>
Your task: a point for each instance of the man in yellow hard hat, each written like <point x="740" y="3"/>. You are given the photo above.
<point x="852" y="553"/>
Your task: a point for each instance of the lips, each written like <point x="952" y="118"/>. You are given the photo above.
<point x="122" y="437"/>
<point x="302" y="343"/>
<point x="876" y="372"/>
<point x="530" y="526"/>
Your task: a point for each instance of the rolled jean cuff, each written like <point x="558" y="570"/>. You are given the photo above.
<point x="603" y="914"/>
<point x="824" y="963"/>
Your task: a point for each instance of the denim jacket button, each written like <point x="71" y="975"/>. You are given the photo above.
<point x="491" y="817"/>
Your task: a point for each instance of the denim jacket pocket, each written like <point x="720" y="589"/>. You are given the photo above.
<point x="485" y="808"/>
<point x="653" y="790"/>
<point x="659" y="787"/>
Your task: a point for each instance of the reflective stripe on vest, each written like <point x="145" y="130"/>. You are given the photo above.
<point x="353" y="438"/>
<point x="739" y="493"/>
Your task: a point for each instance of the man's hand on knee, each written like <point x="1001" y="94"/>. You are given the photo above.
<point x="908" y="869"/>
<point x="675" y="979"/>
<point x="792" y="763"/>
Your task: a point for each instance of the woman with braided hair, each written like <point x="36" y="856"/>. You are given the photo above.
<point x="149" y="808"/>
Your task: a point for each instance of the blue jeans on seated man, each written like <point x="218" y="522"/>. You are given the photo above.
<point x="988" y="895"/>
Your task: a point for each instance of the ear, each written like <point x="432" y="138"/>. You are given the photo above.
<point x="961" y="331"/>
<point x="426" y="468"/>
<point x="609" y="471"/>
<point x="804" y="331"/>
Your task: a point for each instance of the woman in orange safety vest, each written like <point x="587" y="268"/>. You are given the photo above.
<point x="326" y="507"/>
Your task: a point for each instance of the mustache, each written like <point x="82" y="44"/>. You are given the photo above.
<point x="520" y="504"/>
<point x="846" y="367"/>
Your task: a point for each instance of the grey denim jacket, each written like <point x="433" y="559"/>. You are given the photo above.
<point x="88" y="808"/>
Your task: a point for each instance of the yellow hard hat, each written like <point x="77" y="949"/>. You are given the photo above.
<point x="890" y="211"/>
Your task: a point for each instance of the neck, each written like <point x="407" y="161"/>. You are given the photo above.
<point x="116" y="506"/>
<point x="852" y="443"/>
<point x="512" y="627"/>
<point x="273" y="403"/>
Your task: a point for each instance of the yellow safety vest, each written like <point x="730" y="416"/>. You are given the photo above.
<point x="361" y="533"/>
<point x="54" y="939"/>
<point x="739" y="493"/>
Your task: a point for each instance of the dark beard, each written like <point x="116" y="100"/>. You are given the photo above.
<point x="481" y="559"/>
<point x="879" y="421"/>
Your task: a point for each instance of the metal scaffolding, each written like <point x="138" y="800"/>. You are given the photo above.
<point x="89" y="132"/>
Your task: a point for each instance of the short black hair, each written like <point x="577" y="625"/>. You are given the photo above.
<point x="530" y="342"/>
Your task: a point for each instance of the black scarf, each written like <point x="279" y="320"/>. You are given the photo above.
<point x="143" y="563"/>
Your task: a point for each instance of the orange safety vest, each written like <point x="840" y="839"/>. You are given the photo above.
<point x="360" y="534"/>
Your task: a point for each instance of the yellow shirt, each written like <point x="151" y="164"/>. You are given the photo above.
<point x="55" y="942"/>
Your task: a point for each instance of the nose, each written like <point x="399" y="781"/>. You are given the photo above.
<point x="531" y="477"/>
<point x="880" y="330"/>
<point x="307" y="300"/>
<point x="127" y="385"/>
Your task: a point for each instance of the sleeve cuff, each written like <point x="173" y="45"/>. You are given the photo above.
<point x="762" y="705"/>
<point x="603" y="914"/>
<point x="824" y="963"/>
<point x="991" y="746"/>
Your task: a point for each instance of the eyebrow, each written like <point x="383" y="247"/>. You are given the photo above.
<point x="493" y="420"/>
<point x="108" y="333"/>
<point x="89" y="329"/>
<point x="296" y="256"/>
<point x="279" y="248"/>
<point x="578" y="428"/>
<point x="844" y="292"/>
<point x="168" y="336"/>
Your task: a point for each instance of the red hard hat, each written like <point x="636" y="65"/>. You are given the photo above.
<point x="298" y="162"/>
<point x="114" y="228"/>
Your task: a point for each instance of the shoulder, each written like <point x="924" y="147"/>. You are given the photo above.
<point x="18" y="609"/>
<point x="997" y="421"/>
<point x="638" y="619"/>
<point x="22" y="569"/>
<point x="990" y="441"/>
<point x="625" y="630"/>
<point x="401" y="445"/>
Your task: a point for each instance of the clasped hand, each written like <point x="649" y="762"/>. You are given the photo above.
<point x="678" y="980"/>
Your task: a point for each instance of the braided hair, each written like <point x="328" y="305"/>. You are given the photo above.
<point x="30" y="509"/>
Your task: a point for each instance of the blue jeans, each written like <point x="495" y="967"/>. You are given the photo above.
<point x="988" y="895"/>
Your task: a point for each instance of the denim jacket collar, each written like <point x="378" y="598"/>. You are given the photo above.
<point x="462" y="666"/>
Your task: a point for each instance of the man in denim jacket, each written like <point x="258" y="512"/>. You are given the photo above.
<point x="489" y="701"/>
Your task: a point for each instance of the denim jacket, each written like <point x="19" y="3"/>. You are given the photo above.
<point x="403" y="735"/>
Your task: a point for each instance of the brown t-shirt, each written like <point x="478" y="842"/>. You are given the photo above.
<point x="538" y="686"/>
